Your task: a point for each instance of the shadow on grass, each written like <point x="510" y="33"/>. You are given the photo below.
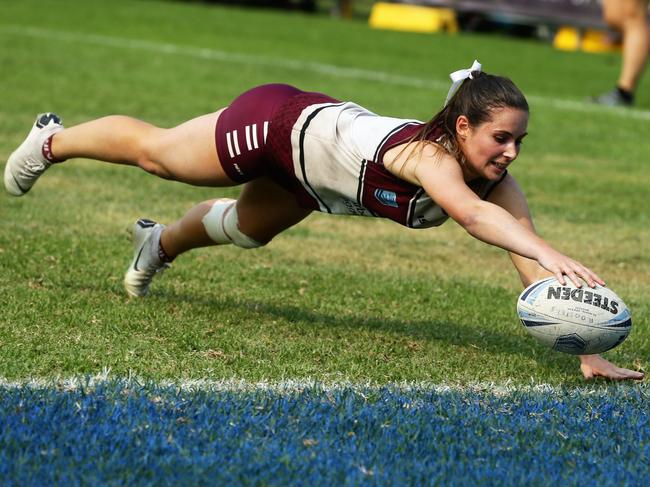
<point x="461" y="334"/>
<point x="439" y="331"/>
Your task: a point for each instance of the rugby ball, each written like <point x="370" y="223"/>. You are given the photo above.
<point x="574" y="320"/>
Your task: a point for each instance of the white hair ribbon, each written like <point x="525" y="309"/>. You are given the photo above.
<point x="457" y="78"/>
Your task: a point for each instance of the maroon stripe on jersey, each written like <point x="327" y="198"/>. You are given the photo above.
<point x="384" y="194"/>
<point x="399" y="137"/>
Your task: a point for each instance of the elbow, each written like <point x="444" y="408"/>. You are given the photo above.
<point x="469" y="220"/>
<point x="475" y="217"/>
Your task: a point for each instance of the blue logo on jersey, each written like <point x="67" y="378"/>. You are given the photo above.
<point x="385" y="197"/>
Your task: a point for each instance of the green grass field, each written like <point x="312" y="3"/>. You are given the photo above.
<point x="335" y="299"/>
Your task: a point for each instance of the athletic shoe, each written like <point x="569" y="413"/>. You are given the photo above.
<point x="612" y="98"/>
<point x="146" y="261"/>
<point x="27" y="163"/>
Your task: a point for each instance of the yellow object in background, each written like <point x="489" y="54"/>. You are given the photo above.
<point x="567" y="39"/>
<point x="589" y="40"/>
<point x="598" y="41"/>
<point x="412" y="18"/>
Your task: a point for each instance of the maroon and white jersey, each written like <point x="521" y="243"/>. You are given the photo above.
<point x="327" y="152"/>
<point x="336" y="159"/>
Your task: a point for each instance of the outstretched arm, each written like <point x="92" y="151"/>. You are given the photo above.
<point x="496" y="224"/>
<point x="503" y="221"/>
<point x="509" y="197"/>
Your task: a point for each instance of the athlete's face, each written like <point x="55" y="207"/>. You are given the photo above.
<point x="490" y="147"/>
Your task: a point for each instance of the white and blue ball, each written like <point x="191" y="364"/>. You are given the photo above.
<point x="574" y="320"/>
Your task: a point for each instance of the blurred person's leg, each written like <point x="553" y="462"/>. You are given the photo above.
<point x="630" y="18"/>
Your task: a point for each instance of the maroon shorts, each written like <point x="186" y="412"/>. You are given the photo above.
<point x="245" y="129"/>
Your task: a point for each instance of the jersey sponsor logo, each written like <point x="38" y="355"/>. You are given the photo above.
<point x="353" y="208"/>
<point x="386" y="197"/>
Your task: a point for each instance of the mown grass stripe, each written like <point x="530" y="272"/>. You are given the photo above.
<point x="223" y="56"/>
<point x="297" y="65"/>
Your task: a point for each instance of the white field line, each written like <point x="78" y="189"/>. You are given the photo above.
<point x="296" y="65"/>
<point x="297" y="386"/>
<point x="222" y="56"/>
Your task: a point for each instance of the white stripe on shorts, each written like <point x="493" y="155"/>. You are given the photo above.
<point x="229" y="145"/>
<point x="236" y="141"/>
<point x="266" y="130"/>
<point x="248" y="137"/>
<point x="254" y="130"/>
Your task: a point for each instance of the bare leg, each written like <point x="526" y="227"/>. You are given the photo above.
<point x="264" y="210"/>
<point x="636" y="42"/>
<point x="629" y="17"/>
<point x="185" y="153"/>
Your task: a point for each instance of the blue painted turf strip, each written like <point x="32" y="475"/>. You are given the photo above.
<point x="128" y="433"/>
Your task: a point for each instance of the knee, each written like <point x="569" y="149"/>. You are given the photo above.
<point x="613" y="17"/>
<point x="620" y="14"/>
<point x="221" y="223"/>
<point x="152" y="167"/>
<point x="635" y="13"/>
<point x="149" y="155"/>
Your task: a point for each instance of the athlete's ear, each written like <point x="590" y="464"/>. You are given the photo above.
<point x="463" y="126"/>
